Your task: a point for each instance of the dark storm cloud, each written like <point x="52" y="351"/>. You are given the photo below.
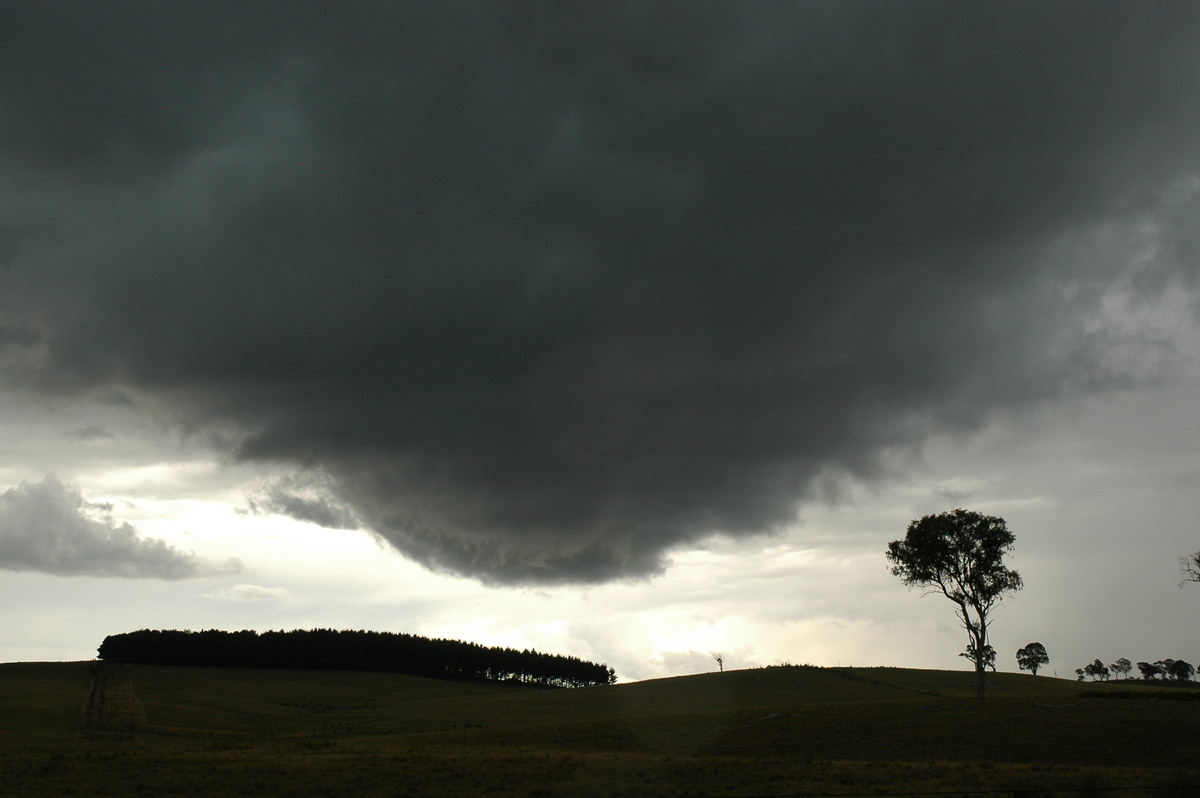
<point x="548" y="289"/>
<point x="297" y="498"/>
<point x="48" y="527"/>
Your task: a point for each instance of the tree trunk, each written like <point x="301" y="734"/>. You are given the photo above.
<point x="981" y="646"/>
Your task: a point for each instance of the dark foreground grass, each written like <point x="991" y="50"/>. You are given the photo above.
<point x="768" y="732"/>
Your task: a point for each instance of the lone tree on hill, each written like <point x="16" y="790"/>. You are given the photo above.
<point x="960" y="554"/>
<point x="1032" y="657"/>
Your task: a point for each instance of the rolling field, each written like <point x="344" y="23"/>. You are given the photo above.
<point x="107" y="729"/>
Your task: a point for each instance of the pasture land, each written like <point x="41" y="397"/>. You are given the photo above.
<point x="108" y="729"/>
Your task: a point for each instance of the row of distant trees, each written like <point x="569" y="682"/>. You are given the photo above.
<point x="328" y="649"/>
<point x="1033" y="656"/>
<point x="1164" y="669"/>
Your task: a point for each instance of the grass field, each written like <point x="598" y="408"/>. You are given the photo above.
<point x="106" y="729"/>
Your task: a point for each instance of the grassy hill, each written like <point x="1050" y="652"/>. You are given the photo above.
<point x="105" y="729"/>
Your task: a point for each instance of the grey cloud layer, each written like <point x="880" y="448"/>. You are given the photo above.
<point x="47" y="527"/>
<point x="546" y="290"/>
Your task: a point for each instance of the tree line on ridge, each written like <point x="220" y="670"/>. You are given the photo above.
<point x="328" y="649"/>
<point x="1174" y="669"/>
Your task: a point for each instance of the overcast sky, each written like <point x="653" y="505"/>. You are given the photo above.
<point x="633" y="331"/>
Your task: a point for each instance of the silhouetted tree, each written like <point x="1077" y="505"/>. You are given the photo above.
<point x="1190" y="565"/>
<point x="961" y="555"/>
<point x="1148" y="670"/>
<point x="1122" y="666"/>
<point x="720" y="658"/>
<point x="1181" y="670"/>
<point x="1097" y="670"/>
<point x="988" y="656"/>
<point x="1032" y="657"/>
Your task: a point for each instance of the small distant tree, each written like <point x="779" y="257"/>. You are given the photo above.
<point x="1079" y="674"/>
<point x="988" y="657"/>
<point x="1097" y="670"/>
<point x="960" y="554"/>
<point x="1122" y="666"/>
<point x="1032" y="657"/>
<point x="720" y="658"/>
<point x="1149" y="670"/>
<point x="1190" y="565"/>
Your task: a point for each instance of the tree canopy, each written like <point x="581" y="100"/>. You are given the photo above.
<point x="1097" y="670"/>
<point x="960" y="554"/>
<point x="1032" y="657"/>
